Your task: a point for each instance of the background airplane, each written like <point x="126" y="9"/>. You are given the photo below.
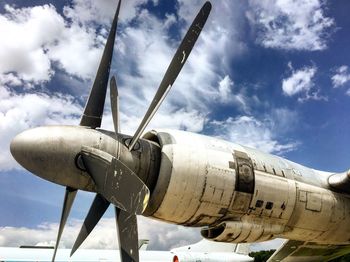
<point x="201" y="251"/>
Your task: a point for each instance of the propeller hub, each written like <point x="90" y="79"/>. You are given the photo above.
<point x="50" y="153"/>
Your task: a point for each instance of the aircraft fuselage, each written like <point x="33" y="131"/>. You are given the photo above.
<point x="237" y="194"/>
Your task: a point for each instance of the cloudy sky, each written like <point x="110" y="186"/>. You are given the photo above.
<point x="269" y="74"/>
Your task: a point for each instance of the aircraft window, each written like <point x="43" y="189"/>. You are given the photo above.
<point x="259" y="203"/>
<point x="269" y="205"/>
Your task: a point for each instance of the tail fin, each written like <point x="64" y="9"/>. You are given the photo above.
<point x="243" y="249"/>
<point x="143" y="244"/>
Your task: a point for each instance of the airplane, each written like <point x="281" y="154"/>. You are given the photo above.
<point x="202" y="251"/>
<point x="235" y="193"/>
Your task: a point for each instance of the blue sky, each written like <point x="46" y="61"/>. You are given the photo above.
<point x="269" y="74"/>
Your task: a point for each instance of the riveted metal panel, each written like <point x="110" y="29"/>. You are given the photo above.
<point x="314" y="201"/>
<point x="290" y="204"/>
<point x="302" y="196"/>
<point x="218" y="191"/>
<point x="240" y="202"/>
<point x="274" y="197"/>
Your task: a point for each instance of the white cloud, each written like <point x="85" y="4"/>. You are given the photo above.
<point x="22" y="111"/>
<point x="247" y="130"/>
<point x="83" y="63"/>
<point x="225" y="87"/>
<point x="297" y="24"/>
<point x="27" y="31"/>
<point x="227" y="94"/>
<point x="341" y="76"/>
<point x="10" y="79"/>
<point x="162" y="236"/>
<point x="301" y="81"/>
<point x="282" y="120"/>
<point x="222" y="35"/>
<point x="86" y="11"/>
<point x="38" y="36"/>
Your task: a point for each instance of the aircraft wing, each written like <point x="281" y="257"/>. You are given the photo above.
<point x="300" y="251"/>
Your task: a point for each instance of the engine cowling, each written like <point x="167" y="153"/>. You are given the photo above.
<point x="196" y="180"/>
<point x="241" y="231"/>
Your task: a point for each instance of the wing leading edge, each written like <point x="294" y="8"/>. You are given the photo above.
<point x="297" y="251"/>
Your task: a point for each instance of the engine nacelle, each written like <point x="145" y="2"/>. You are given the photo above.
<point x="196" y="180"/>
<point x="244" y="195"/>
<point x="204" y="181"/>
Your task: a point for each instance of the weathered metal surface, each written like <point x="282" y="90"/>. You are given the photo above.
<point x="113" y="180"/>
<point x="241" y="231"/>
<point x="288" y="200"/>
<point x="244" y="173"/>
<point x="50" y="153"/>
<point x="127" y="236"/>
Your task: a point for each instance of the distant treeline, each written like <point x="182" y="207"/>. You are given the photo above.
<point x="262" y="256"/>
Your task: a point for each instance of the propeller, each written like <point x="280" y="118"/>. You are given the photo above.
<point x="115" y="104"/>
<point x="97" y="209"/>
<point x="93" y="111"/>
<point x="174" y="69"/>
<point x="128" y="236"/>
<point x="115" y="182"/>
<point x="67" y="204"/>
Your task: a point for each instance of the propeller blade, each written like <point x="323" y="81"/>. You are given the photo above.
<point x="115" y="104"/>
<point x="67" y="204"/>
<point x="128" y="236"/>
<point x="174" y="69"/>
<point x="115" y="181"/>
<point x="97" y="209"/>
<point x="93" y="111"/>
